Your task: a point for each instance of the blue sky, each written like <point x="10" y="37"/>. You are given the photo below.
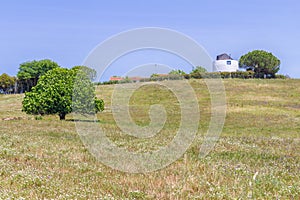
<point x="66" y="31"/>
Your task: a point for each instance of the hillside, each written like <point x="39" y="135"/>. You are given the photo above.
<point x="257" y="155"/>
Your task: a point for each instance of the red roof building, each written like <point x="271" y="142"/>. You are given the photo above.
<point x="115" y="78"/>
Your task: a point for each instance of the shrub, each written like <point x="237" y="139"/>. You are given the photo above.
<point x="281" y="76"/>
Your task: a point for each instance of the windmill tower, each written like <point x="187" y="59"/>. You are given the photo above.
<point x="224" y="63"/>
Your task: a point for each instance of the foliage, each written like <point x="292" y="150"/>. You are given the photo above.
<point x="238" y="74"/>
<point x="198" y="69"/>
<point x="83" y="97"/>
<point x="108" y="82"/>
<point x="263" y="63"/>
<point x="91" y="73"/>
<point x="35" y="69"/>
<point x="281" y="76"/>
<point x="199" y="75"/>
<point x="154" y="75"/>
<point x="177" y="72"/>
<point x="173" y="75"/>
<point x="197" y="72"/>
<point x="29" y="72"/>
<point x="167" y="77"/>
<point x="224" y="75"/>
<point x="7" y="83"/>
<point x="54" y="91"/>
<point x="125" y="80"/>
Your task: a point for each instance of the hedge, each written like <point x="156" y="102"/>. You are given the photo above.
<point x="197" y="75"/>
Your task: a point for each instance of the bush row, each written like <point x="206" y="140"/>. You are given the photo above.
<point x="239" y="74"/>
<point x="163" y="78"/>
<point x="197" y="75"/>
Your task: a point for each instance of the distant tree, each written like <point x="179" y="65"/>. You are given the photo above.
<point x="177" y="72"/>
<point x="7" y="83"/>
<point x="264" y="64"/>
<point x="54" y="94"/>
<point x="154" y="76"/>
<point x="29" y="72"/>
<point x="91" y="73"/>
<point x="198" y="69"/>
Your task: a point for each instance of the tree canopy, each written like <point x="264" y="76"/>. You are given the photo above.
<point x="264" y="64"/>
<point x="177" y="72"/>
<point x="198" y="69"/>
<point x="91" y="73"/>
<point x="29" y="72"/>
<point x="7" y="83"/>
<point x="55" y="91"/>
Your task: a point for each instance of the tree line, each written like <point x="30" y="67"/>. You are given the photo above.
<point x="50" y="89"/>
<point x="257" y="64"/>
<point x="27" y="76"/>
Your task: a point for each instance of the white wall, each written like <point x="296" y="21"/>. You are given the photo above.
<point x="224" y="66"/>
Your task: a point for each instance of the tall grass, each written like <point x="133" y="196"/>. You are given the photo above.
<point x="257" y="156"/>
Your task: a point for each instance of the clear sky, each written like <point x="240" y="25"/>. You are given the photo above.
<point x="67" y="30"/>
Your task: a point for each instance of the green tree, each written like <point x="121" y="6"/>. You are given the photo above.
<point x="55" y="91"/>
<point x="198" y="69"/>
<point x="177" y="72"/>
<point x="264" y="64"/>
<point x="91" y="73"/>
<point x="154" y="76"/>
<point x="29" y="72"/>
<point x="7" y="83"/>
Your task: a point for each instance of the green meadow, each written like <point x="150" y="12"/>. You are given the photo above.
<point x="256" y="157"/>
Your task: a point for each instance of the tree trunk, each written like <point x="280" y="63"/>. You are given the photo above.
<point x="27" y="85"/>
<point x="62" y="116"/>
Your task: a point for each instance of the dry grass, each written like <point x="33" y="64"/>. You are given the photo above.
<point x="257" y="156"/>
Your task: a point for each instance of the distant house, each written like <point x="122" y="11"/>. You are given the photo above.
<point x="115" y="78"/>
<point x="224" y="63"/>
<point x="162" y="75"/>
<point x="132" y="79"/>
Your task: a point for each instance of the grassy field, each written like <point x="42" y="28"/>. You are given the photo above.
<point x="256" y="157"/>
